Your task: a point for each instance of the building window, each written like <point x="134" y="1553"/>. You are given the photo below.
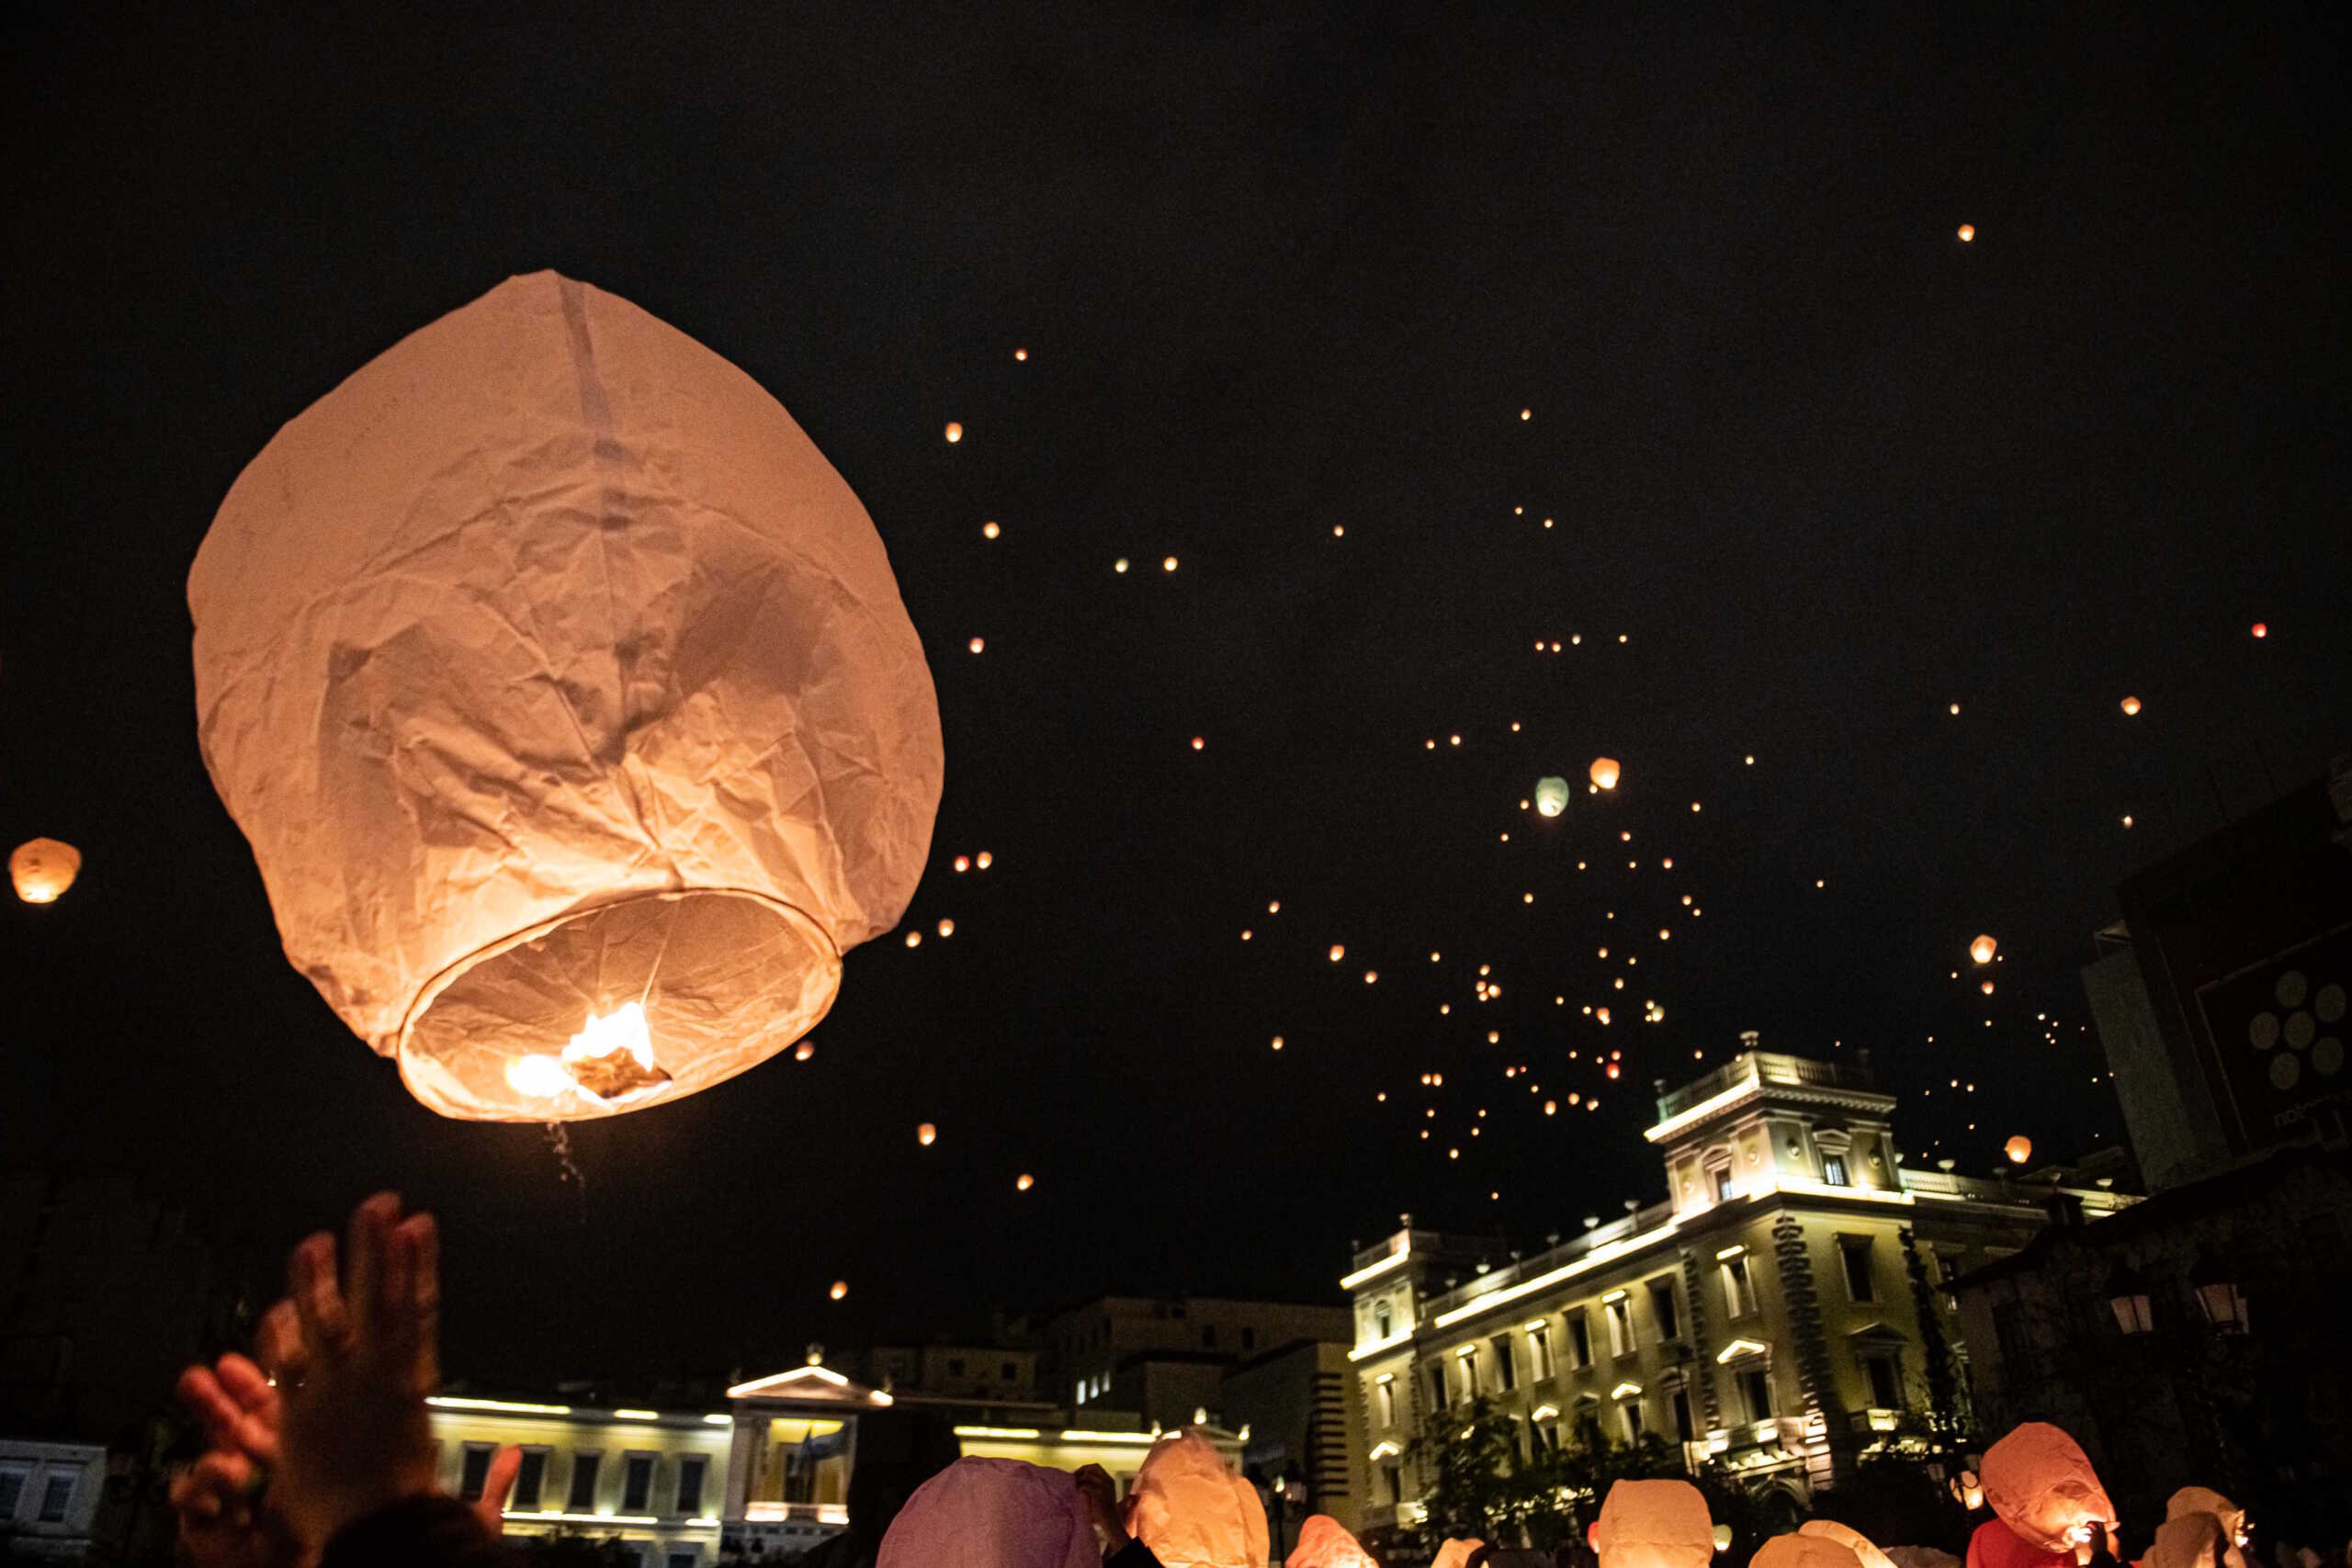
<point x="1468" y="1357"/>
<point x="475" y="1473"/>
<point x="1857" y="1255"/>
<point x="1208" y="1336"/>
<point x="1723" y="1184"/>
<point x="1395" y="1480"/>
<point x="1833" y="1169"/>
<point x="1579" y="1341"/>
<point x="1505" y="1363"/>
<point x="1681" y="1405"/>
<point x="1249" y="1339"/>
<point x="682" y="1560"/>
<point x="1009" y="1371"/>
<point x="1621" y="1327"/>
<point x="954" y="1365"/>
<point x="1547" y="1436"/>
<point x="637" y="1483"/>
<point x="1437" y="1384"/>
<point x="1539" y="1352"/>
<point x="1388" y="1402"/>
<point x="1886" y="1391"/>
<point x="1756" y="1387"/>
<point x="1383" y="1322"/>
<point x="12" y="1492"/>
<point x="1630" y="1409"/>
<point x="529" y="1479"/>
<point x="1740" y="1296"/>
<point x="57" y="1492"/>
<point x="582" y="1495"/>
<point x="1662" y="1308"/>
<point x="690" y="1472"/>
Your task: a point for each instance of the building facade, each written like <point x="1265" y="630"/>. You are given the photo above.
<point x="1305" y="1432"/>
<point x="1165" y="1357"/>
<point x="1782" y="1314"/>
<point x="48" y="1497"/>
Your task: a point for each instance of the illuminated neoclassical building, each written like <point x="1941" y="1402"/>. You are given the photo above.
<point x="1782" y="1312"/>
<point x="769" y="1472"/>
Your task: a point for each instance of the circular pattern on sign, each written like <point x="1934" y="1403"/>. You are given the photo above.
<point x="2300" y="1030"/>
<point x="2263" y="1033"/>
<point x="2291" y="989"/>
<point x="2327" y="1056"/>
<point x="2329" y="1003"/>
<point x="2285" y="1069"/>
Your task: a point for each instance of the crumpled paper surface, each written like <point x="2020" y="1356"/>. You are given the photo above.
<point x="1654" y="1524"/>
<point x="2039" y="1482"/>
<point x="1192" y="1511"/>
<point x="993" y="1513"/>
<point x="1852" y="1540"/>
<point x="1324" y="1542"/>
<point x="1799" y="1550"/>
<point x="546" y="665"/>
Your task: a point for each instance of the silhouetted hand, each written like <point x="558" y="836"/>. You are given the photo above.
<point x="224" y="1517"/>
<point x="1099" y="1494"/>
<point x="353" y="1373"/>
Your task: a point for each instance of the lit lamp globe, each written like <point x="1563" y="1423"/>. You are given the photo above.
<point x="1982" y="949"/>
<point x="1551" y="796"/>
<point x="2020" y="1149"/>
<point x="1604" y="772"/>
<point x="564" y="693"/>
<point x="42" y="869"/>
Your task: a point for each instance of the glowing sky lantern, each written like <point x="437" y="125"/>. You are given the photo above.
<point x="1024" y="1183"/>
<point x="1982" y="949"/>
<point x="2261" y="630"/>
<point x="2019" y="1148"/>
<point x="841" y="1289"/>
<point x="989" y="530"/>
<point x="2130" y="706"/>
<point x="1338" y="953"/>
<point x="1654" y="1524"/>
<point x="1551" y="796"/>
<point x="955" y="432"/>
<point x="42" y="869"/>
<point x="977" y="644"/>
<point x="1854" y="1541"/>
<point x="1192" y="1511"/>
<point x="1794" y="1551"/>
<point x="2040" y="1485"/>
<point x="1604" y="772"/>
<point x="1324" y="1542"/>
<point x="926" y="1135"/>
<point x="1967" y="232"/>
<point x="551" y="673"/>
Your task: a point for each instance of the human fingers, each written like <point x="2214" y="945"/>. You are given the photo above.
<point x="317" y="1300"/>
<point x="223" y="1419"/>
<point x="278" y="1342"/>
<point x="424" y="1298"/>
<point x="219" y="1484"/>
<point x="497" y="1485"/>
<point x="245" y="1383"/>
<point x="363" y="1259"/>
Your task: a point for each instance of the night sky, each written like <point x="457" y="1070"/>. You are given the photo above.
<point x="1818" y="470"/>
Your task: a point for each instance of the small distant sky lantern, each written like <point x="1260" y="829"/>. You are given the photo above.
<point x="2130" y="706"/>
<point x="42" y="869"/>
<point x="564" y="693"/>
<point x="989" y="530"/>
<point x="1551" y="796"/>
<point x="841" y="1289"/>
<point x="1024" y="1183"/>
<point x="955" y="432"/>
<point x="926" y="1135"/>
<point x="1604" y="772"/>
<point x="1967" y="232"/>
<point x="1982" y="949"/>
<point x="2261" y="630"/>
<point x="2019" y="1148"/>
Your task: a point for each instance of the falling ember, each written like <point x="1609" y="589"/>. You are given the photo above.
<point x="1024" y="1183"/>
<point x="841" y="1289"/>
<point x="926" y="1135"/>
<point x="2130" y="706"/>
<point x="955" y="432"/>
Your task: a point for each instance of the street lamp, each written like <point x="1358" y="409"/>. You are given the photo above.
<point x="2127" y="1295"/>
<point x="2218" y="1296"/>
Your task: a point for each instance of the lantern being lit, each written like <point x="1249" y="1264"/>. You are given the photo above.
<point x="1604" y="772"/>
<point x="564" y="693"/>
<point x="42" y="869"/>
<point x="2040" y="1485"/>
<point x="1551" y="796"/>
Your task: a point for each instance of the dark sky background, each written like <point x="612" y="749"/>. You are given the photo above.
<point x="1824" y="469"/>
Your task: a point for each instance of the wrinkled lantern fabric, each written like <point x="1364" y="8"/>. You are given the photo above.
<point x="993" y="1513"/>
<point x="1654" y="1524"/>
<point x="1324" y="1542"/>
<point x="2190" y="1541"/>
<point x="2039" y="1483"/>
<point x="42" y="869"/>
<point x="548" y="667"/>
<point x="1192" y="1511"/>
<point x="1455" y="1553"/>
<point x="1995" y="1545"/>
<point x="1803" y="1551"/>
<point x="1852" y="1540"/>
<point x="2205" y="1500"/>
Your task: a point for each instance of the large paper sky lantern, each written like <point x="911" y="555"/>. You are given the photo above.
<point x="1654" y="1524"/>
<point x="1853" y="1540"/>
<point x="1324" y="1542"/>
<point x="2041" y="1483"/>
<point x="42" y="869"/>
<point x="1803" y="1551"/>
<point x="1192" y="1511"/>
<point x="564" y="693"/>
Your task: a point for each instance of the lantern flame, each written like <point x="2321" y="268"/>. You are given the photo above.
<point x="611" y="1058"/>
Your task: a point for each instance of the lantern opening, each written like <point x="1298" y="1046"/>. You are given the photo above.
<point x="679" y="992"/>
